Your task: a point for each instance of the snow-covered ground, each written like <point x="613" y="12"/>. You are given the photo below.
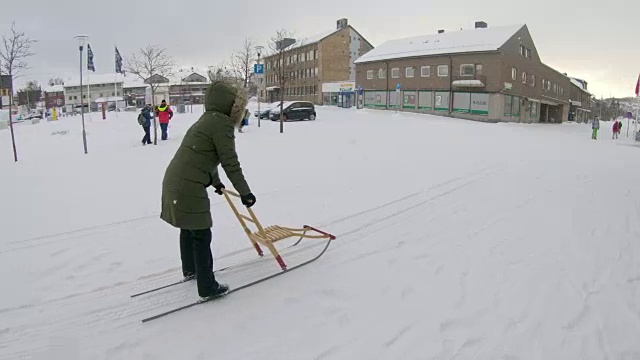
<point x="456" y="239"/>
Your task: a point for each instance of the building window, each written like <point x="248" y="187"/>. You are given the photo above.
<point x="514" y="74"/>
<point x="409" y="72"/>
<point x="443" y="70"/>
<point x="533" y="80"/>
<point x="548" y="85"/>
<point x="522" y="50"/>
<point x="315" y="53"/>
<point x="316" y="71"/>
<point x="70" y="97"/>
<point x="369" y="74"/>
<point x="382" y="73"/>
<point x="425" y="71"/>
<point x="511" y="105"/>
<point x="507" y="105"/>
<point x="478" y="69"/>
<point x="466" y="70"/>
<point x="528" y="54"/>
<point x="524" y="77"/>
<point x="395" y="73"/>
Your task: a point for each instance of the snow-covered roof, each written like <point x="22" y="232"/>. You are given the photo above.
<point x="463" y="41"/>
<point x="95" y="79"/>
<point x="54" y="88"/>
<point x="577" y="83"/>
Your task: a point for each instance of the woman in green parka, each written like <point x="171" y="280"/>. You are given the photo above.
<point x="209" y="142"/>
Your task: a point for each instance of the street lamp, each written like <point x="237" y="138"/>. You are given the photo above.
<point x="82" y="39"/>
<point x="259" y="52"/>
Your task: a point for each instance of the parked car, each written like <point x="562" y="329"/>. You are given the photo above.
<point x="294" y="110"/>
<point x="264" y="113"/>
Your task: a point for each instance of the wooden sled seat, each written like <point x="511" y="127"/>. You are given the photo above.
<point x="269" y="235"/>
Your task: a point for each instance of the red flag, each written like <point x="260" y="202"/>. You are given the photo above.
<point x="638" y="86"/>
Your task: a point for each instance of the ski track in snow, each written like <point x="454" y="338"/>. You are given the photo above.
<point x="524" y="255"/>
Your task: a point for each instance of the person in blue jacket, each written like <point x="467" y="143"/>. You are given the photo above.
<point x="144" y="119"/>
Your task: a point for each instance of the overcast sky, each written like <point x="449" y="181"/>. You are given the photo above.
<point x="594" y="40"/>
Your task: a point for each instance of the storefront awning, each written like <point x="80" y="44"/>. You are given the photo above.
<point x="468" y="83"/>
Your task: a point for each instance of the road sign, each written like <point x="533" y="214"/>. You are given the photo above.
<point x="629" y="115"/>
<point x="258" y="68"/>
<point x="398" y="86"/>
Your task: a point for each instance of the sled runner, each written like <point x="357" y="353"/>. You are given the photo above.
<point x="268" y="236"/>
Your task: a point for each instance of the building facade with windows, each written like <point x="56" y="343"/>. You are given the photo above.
<point x="95" y="88"/>
<point x="308" y="65"/>
<point x="54" y="96"/>
<point x="486" y="74"/>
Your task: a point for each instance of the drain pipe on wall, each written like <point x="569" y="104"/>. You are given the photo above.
<point x="386" y="75"/>
<point x="450" y="84"/>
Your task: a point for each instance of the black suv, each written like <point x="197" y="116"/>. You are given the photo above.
<point x="294" y="110"/>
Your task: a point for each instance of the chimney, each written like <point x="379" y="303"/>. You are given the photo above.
<point x="440" y="31"/>
<point x="342" y="23"/>
<point x="481" y="25"/>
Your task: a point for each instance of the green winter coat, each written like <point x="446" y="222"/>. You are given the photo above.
<point x="209" y="142"/>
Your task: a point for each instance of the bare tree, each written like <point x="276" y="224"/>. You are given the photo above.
<point x="16" y="49"/>
<point x="55" y="81"/>
<point x="242" y="61"/>
<point x="218" y="72"/>
<point x="149" y="64"/>
<point x="282" y="42"/>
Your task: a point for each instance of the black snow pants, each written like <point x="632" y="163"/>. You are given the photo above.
<point x="147" y="135"/>
<point x="195" y="252"/>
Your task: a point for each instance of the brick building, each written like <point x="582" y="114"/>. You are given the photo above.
<point x="54" y="96"/>
<point x="485" y="73"/>
<point x="6" y="88"/>
<point x="325" y="61"/>
<point x="580" y="100"/>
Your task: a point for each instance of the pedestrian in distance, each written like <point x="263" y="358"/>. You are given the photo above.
<point x="144" y="119"/>
<point x="164" y="114"/>
<point x="245" y="120"/>
<point x="615" y="129"/>
<point x="595" y="125"/>
<point x="209" y="142"/>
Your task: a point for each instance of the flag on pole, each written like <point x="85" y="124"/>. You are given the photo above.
<point x="119" y="62"/>
<point x="90" y="65"/>
<point x="638" y="86"/>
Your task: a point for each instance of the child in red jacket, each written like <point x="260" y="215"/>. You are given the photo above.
<point x="164" y="114"/>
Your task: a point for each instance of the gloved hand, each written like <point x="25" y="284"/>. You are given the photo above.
<point x="219" y="188"/>
<point x="248" y="200"/>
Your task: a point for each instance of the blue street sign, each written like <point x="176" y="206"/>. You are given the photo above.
<point x="398" y="86"/>
<point x="258" y="68"/>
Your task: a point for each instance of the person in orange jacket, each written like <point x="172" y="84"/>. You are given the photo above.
<point x="164" y="114"/>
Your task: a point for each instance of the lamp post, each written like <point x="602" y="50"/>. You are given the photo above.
<point x="259" y="52"/>
<point x="82" y="39"/>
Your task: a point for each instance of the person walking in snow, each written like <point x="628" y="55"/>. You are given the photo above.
<point x="144" y="119"/>
<point x="619" y="126"/>
<point x="209" y="142"/>
<point x="615" y="129"/>
<point x="245" y="120"/>
<point x="595" y="125"/>
<point x="164" y="114"/>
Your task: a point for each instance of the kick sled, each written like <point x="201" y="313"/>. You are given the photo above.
<point x="240" y="275"/>
<point x="270" y="235"/>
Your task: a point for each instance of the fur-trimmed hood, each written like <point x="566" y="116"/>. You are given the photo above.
<point x="226" y="99"/>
